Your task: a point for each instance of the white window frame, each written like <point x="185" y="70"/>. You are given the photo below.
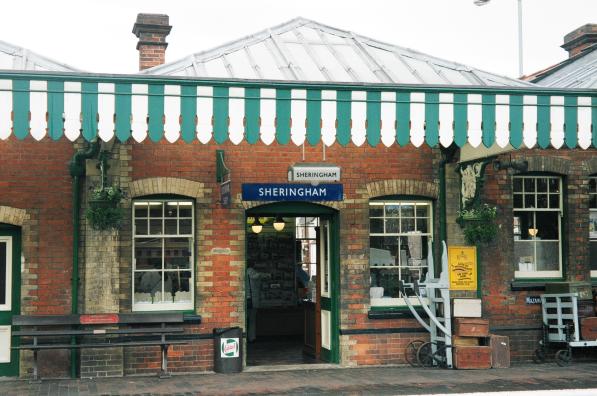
<point x="592" y="235"/>
<point x="540" y="274"/>
<point x="400" y="301"/>
<point x="7" y="306"/>
<point x="164" y="306"/>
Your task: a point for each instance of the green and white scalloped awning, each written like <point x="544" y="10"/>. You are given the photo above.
<point x="73" y="105"/>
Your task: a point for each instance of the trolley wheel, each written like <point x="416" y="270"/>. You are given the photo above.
<point x="425" y="355"/>
<point x="410" y="353"/>
<point x="539" y="355"/>
<point x="563" y="357"/>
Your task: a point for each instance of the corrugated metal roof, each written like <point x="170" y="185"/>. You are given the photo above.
<point x="305" y="50"/>
<point x="577" y="72"/>
<point x="13" y="57"/>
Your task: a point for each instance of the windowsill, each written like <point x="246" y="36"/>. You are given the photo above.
<point x="531" y="284"/>
<point x="140" y="307"/>
<point x="401" y="312"/>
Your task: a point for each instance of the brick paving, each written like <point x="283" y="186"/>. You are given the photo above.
<point x="334" y="381"/>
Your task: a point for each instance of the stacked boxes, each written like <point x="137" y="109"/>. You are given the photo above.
<point x="474" y="347"/>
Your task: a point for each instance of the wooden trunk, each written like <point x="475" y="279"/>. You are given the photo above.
<point x="500" y="351"/>
<point x="471" y="327"/>
<point x="588" y="328"/>
<point x="472" y="357"/>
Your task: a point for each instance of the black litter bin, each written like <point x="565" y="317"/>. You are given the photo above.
<point x="228" y="350"/>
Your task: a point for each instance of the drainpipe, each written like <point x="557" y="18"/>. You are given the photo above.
<point x="443" y="234"/>
<point x="76" y="168"/>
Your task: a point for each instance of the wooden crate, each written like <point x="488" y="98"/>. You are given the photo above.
<point x="472" y="357"/>
<point x="588" y="328"/>
<point x="471" y="327"/>
<point x="500" y="351"/>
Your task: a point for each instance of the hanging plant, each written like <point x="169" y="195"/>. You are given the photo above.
<point x="103" y="210"/>
<point x="478" y="224"/>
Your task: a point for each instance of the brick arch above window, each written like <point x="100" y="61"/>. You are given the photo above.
<point x="401" y="187"/>
<point x="548" y="164"/>
<point x="590" y="166"/>
<point x="12" y="216"/>
<point x="170" y="185"/>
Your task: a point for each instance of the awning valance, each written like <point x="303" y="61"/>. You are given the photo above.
<point x="70" y="105"/>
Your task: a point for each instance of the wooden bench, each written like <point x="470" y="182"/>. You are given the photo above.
<point x="99" y="331"/>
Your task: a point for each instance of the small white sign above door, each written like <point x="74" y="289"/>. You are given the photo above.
<point x="314" y="173"/>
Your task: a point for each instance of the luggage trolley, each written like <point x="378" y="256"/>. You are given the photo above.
<point x="433" y="295"/>
<point x="561" y="326"/>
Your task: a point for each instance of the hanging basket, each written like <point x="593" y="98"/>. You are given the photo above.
<point x="103" y="209"/>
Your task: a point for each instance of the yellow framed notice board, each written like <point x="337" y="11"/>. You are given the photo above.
<point x="462" y="264"/>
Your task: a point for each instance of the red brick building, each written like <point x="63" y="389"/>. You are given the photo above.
<point x="395" y="124"/>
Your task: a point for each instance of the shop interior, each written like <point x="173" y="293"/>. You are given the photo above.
<point x="281" y="290"/>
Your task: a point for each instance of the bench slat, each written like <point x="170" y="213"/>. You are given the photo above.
<point x="69" y="332"/>
<point x="101" y="345"/>
<point x="123" y="318"/>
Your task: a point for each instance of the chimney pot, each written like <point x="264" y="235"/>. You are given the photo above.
<point x="579" y="39"/>
<point x="151" y="30"/>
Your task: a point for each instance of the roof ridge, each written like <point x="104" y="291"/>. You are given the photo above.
<point x="262" y="35"/>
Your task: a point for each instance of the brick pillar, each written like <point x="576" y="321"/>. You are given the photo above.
<point x="101" y="274"/>
<point x="151" y="29"/>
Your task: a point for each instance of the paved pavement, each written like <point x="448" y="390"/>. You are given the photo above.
<point x="326" y="381"/>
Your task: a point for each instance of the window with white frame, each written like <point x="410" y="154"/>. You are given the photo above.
<point x="537" y="205"/>
<point x="593" y="225"/>
<point x="163" y="254"/>
<point x="399" y="236"/>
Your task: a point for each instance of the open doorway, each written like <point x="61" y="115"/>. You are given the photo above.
<point x="288" y="289"/>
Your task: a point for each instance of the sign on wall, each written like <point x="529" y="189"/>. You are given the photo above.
<point x="462" y="264"/>
<point x="314" y="173"/>
<point x="291" y="192"/>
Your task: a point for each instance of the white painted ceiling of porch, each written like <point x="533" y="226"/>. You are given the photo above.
<point x="305" y="50"/>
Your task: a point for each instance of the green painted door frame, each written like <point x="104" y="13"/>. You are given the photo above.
<point x="12" y="369"/>
<point x="298" y="209"/>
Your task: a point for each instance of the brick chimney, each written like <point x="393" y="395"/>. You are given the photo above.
<point x="151" y="29"/>
<point x="579" y="39"/>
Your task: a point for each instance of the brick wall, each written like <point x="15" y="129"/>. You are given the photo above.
<point x="507" y="308"/>
<point x="34" y="177"/>
<point x="366" y="173"/>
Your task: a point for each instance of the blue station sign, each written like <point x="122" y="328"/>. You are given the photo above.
<point x="291" y="192"/>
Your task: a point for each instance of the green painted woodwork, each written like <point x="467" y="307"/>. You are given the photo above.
<point x="373" y="117"/>
<point x="403" y="118"/>
<point x="123" y="108"/>
<point x="89" y="108"/>
<point x="188" y="112"/>
<point x="313" y="116"/>
<point x="570" y="120"/>
<point x="488" y="120"/>
<point x="12" y="369"/>
<point x="252" y="115"/>
<point x="543" y="121"/>
<point x="220" y="114"/>
<point x="20" y="99"/>
<point x="432" y="118"/>
<point x="155" y="105"/>
<point x="516" y="120"/>
<point x="343" y="113"/>
<point x="283" y="104"/>
<point x="460" y="119"/>
<point x="55" y="109"/>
